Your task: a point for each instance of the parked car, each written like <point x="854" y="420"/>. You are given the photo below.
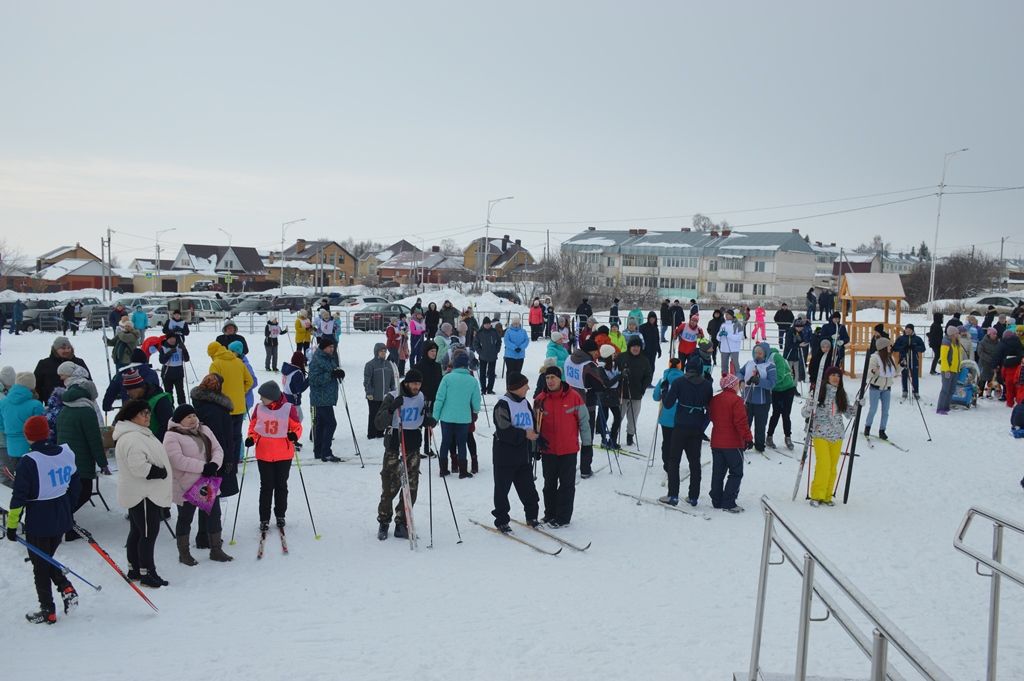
<point x="356" y="301"/>
<point x="376" y="316"/>
<point x="290" y="303"/>
<point x="510" y="296"/>
<point x="39" y="314"/>
<point x="199" y="308"/>
<point x="156" y="315"/>
<point x="130" y="303"/>
<point x="1003" y="304"/>
<point x="251" y="306"/>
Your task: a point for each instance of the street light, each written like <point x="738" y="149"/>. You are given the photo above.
<point x="227" y="279"/>
<point x="938" y="215"/>
<point x="284" y="228"/>
<point x="487" y="237"/>
<point x="162" y="231"/>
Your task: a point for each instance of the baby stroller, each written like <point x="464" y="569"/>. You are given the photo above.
<point x="965" y="391"/>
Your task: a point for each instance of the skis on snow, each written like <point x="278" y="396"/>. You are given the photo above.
<point x="550" y="535"/>
<point x="685" y="510"/>
<point x="263" y="542"/>
<point x="871" y="440"/>
<point x="516" y="538"/>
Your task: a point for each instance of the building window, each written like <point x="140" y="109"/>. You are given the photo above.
<point x="732" y="263"/>
<point x="712" y="287"/>
<point x="734" y="287"/>
<point x="759" y="265"/>
<point x="639" y="261"/>
<point x="677" y="283"/>
<point x="609" y="282"/>
<point x="712" y="265"/>
<point x="759" y="289"/>
<point x="611" y="262"/>
<point x="679" y="262"/>
<point x="640" y="282"/>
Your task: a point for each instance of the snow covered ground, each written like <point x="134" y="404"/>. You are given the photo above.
<point x="658" y="595"/>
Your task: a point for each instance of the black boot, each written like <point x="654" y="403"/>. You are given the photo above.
<point x="401" y="531"/>
<point x="43" y="616"/>
<point x="629" y="440"/>
<point x="867" y="431"/>
<point x="881" y="434"/>
<point x="382" y="531"/>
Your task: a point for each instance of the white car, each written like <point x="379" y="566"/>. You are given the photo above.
<point x="1004" y="304"/>
<point x="156" y="315"/>
<point x="359" y="302"/>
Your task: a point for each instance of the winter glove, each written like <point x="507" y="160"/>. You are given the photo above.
<point x="292" y="437"/>
<point x="249" y="442"/>
<point x="105" y="470"/>
<point x="839" y="344"/>
<point x="754" y="379"/>
<point x="542" y="446"/>
<point x="156" y="473"/>
<point x="228" y="469"/>
<point x="338" y="373"/>
<point x="165" y="513"/>
<point x="429" y="421"/>
<point x="12" y="534"/>
<point x="209" y="469"/>
<point x="397" y="403"/>
<point x="749" y="445"/>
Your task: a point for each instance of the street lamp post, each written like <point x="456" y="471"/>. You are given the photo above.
<point x="227" y="279"/>
<point x="284" y="228"/>
<point x="157" y="263"/>
<point x="938" y="216"/>
<point x="487" y="238"/>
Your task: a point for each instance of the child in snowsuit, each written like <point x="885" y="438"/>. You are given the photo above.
<point x="45" y="483"/>
<point x="274" y="429"/>
<point x="828" y="408"/>
<point x="173" y="356"/>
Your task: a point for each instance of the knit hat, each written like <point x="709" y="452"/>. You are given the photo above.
<point x="694" y="365"/>
<point x="66" y="369"/>
<point x="882" y="342"/>
<point x="606" y="351"/>
<point x="326" y="341"/>
<point x="1007" y="335"/>
<point x="182" y="412"/>
<point x="236" y="347"/>
<point x="553" y="371"/>
<point x="634" y="342"/>
<point x="8" y="376"/>
<point x="729" y="381"/>
<point x="516" y="381"/>
<point x="61" y="342"/>
<point x="602" y="329"/>
<point x="413" y="376"/>
<point x="588" y="345"/>
<point x="909" y="326"/>
<point x="228" y="323"/>
<point x="36" y="429"/>
<point x="270" y="390"/>
<point x="428" y="346"/>
<point x="460" y="360"/>
<point x="446" y="327"/>
<point x="556" y="336"/>
<point x="131" y="379"/>
<point x="991" y="331"/>
<point x="26" y="379"/>
<point x="139" y="357"/>
<point x="694" y="315"/>
<point x="298" y="359"/>
<point x="831" y="371"/>
<point x="487" y="320"/>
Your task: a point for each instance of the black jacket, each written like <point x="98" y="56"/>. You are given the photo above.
<point x="690" y="395"/>
<point x="678" y="315"/>
<point x="935" y="332"/>
<point x="487" y="344"/>
<point x="784" y="317"/>
<point x="1009" y="353"/>
<point x="226" y="339"/>
<point x="432" y="319"/>
<point x="49" y="518"/>
<point x="908" y="347"/>
<point x="46" y="374"/>
<point x="511" y="448"/>
<point x="715" y="325"/>
<point x="637" y="375"/>
<point x="583" y="311"/>
<point x="432" y="375"/>
<point x="652" y="339"/>
<point x="665" y="315"/>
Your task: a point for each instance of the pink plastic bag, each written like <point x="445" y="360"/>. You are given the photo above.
<point x="203" y="493"/>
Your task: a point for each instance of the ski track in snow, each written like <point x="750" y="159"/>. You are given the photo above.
<point x="658" y="594"/>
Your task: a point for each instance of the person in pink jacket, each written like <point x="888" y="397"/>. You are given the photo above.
<point x="194" y="452"/>
<point x="760" y="332"/>
<point x="417" y="328"/>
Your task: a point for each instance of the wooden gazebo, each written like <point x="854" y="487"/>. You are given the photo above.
<point x="886" y="288"/>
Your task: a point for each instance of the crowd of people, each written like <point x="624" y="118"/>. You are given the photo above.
<point x="183" y="447"/>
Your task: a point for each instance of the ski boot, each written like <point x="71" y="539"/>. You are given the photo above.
<point x="691" y="502"/>
<point x="264" y="526"/>
<point x="504" y="528"/>
<point x="133" y="573"/>
<point x="629" y="440"/>
<point x="770" y="442"/>
<point x="533" y="522"/>
<point x="401" y="530"/>
<point x="382" y="531"/>
<point x="42" y="617"/>
<point x="734" y="509"/>
<point x="280" y="521"/>
<point x="671" y="501"/>
<point x="867" y="431"/>
<point x="70" y="598"/>
<point x="815" y="503"/>
<point x="789" y="443"/>
<point x="905" y="396"/>
<point x="882" y="435"/>
<point x="151" y="579"/>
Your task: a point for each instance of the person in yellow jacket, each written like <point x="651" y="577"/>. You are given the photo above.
<point x="951" y="355"/>
<point x="303" y="331"/>
<point x="237" y="381"/>
<point x="617" y="339"/>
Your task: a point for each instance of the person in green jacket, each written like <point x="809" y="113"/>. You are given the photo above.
<point x="637" y="315"/>
<point x="783" y="393"/>
<point x="556" y="349"/>
<point x="78" y="426"/>
<point x="456" y="402"/>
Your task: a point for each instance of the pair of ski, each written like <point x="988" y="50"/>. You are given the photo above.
<point x="536" y="547"/>
<point x="263" y="541"/>
<point x="871" y="440"/>
<point x="624" y="452"/>
<point x="685" y="510"/>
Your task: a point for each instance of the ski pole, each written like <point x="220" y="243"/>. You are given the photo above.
<point x="352" y="428"/>
<point x="404" y="477"/>
<point x="650" y="459"/>
<point x="64" y="569"/>
<point x="444" y="479"/>
<point x="110" y="561"/>
<point x="238" y="502"/>
<point x="918" y="401"/>
<point x="430" y="494"/>
<point x="304" y="493"/>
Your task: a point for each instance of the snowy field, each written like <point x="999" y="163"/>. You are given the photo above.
<point x="659" y="594"/>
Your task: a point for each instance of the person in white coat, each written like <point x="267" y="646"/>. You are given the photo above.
<point x="143" y="487"/>
<point x="730" y="343"/>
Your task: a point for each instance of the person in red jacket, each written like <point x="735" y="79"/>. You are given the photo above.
<point x="688" y="333"/>
<point x="564" y="426"/>
<point x="730" y="436"/>
<point x="274" y="428"/>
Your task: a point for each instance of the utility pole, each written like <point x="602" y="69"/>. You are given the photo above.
<point x="110" y="267"/>
<point x="487" y="239"/>
<point x="938" y="216"/>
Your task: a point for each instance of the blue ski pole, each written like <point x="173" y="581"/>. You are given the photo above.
<point x="55" y="563"/>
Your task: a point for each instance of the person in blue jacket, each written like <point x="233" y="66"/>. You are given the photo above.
<point x="15" y="409"/>
<point x="759" y="376"/>
<point x="139" y="320"/>
<point x="667" y="415"/>
<point x="17" y="315"/>
<point x="516" y="340"/>
<point x="692" y="393"/>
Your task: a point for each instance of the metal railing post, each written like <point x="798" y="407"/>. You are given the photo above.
<point x="879" y="656"/>
<point x="803" y="636"/>
<point x="762" y="588"/>
<point x="993" y="609"/>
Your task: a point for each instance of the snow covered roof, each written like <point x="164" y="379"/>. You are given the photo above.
<point x="687" y="243"/>
<point x="299" y="265"/>
<point x="69" y="266"/>
<point x="872" y="285"/>
<point x="60" y="250"/>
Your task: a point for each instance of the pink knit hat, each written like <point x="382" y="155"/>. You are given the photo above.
<point x="729" y="381"/>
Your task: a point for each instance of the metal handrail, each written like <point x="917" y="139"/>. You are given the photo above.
<point x="885" y="632"/>
<point x="999" y="570"/>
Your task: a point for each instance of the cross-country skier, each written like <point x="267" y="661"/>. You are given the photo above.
<point x="565" y="430"/>
<point x="274" y="429"/>
<point x="730" y="436"/>
<point x="514" y="435"/>
<point x="691" y="393"/>
<point x="828" y="409"/>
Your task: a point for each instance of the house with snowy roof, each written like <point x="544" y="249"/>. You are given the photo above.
<point x="369" y="262"/>
<point x="496" y="258"/>
<point x="76" y="252"/>
<point x="715" y="265"/>
<point x="432" y="267"/>
<point x="71" y="274"/>
<point x="331" y="263"/>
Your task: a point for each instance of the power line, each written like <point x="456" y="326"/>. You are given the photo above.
<point x="835" y="212"/>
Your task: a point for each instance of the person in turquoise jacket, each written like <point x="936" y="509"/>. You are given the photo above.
<point x="19" y="405"/>
<point x="666" y="415"/>
<point x="557" y="350"/>
<point x="139" y="320"/>
<point x="516" y="339"/>
<point x="783" y="393"/>
<point x="456" y="403"/>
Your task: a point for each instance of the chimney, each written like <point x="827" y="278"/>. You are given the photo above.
<point x="714" y="234"/>
<point x="817" y="243"/>
<point x="504" y="243"/>
<point x="795" y="230"/>
<point x="591" y="229"/>
<point x="685" y="229"/>
<point x="519" y="242"/>
<point x="726" y="232"/>
<point x="435" y="249"/>
<point x="641" y="232"/>
<point x="300" y="245"/>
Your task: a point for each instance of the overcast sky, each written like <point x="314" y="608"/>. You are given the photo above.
<point x="400" y="120"/>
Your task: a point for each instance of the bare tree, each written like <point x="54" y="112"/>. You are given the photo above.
<point x="11" y="258"/>
<point x="958" y="276"/>
<point x="450" y="247"/>
<point x="702" y="223"/>
<point x="876" y="246"/>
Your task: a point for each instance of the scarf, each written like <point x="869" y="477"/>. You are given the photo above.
<point x="200" y="437"/>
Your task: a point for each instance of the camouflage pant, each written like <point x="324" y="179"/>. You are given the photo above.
<point x="391" y="485"/>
